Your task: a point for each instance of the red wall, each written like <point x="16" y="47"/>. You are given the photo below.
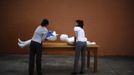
<point x="108" y="22"/>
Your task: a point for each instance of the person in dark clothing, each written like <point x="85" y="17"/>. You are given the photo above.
<point x="36" y="47"/>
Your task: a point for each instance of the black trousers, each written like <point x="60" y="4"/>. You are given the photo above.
<point x="35" y="53"/>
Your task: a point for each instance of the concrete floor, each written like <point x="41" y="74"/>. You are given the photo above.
<point x="63" y="65"/>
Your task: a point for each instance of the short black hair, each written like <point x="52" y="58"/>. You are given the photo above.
<point x="80" y="23"/>
<point x="44" y="22"/>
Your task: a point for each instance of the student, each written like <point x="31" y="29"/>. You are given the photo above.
<point x="36" y="47"/>
<point x="80" y="43"/>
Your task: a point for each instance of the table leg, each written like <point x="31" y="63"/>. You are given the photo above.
<point x="95" y="59"/>
<point x="88" y="59"/>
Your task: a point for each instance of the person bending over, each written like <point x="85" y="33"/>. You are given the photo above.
<point x="35" y="52"/>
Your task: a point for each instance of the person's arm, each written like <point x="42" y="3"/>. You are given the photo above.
<point x="75" y="37"/>
<point x="44" y="33"/>
<point x="44" y="36"/>
<point x="74" y="40"/>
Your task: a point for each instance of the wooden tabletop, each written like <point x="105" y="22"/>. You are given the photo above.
<point x="63" y="45"/>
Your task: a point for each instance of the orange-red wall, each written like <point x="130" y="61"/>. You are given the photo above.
<point x="108" y="22"/>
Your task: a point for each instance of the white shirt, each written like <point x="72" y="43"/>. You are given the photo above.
<point x="80" y="34"/>
<point x="40" y="34"/>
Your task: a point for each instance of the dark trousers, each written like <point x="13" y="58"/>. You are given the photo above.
<point x="80" y="51"/>
<point x="35" y="53"/>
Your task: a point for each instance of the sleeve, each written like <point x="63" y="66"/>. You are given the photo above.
<point x="44" y="34"/>
<point x="76" y="29"/>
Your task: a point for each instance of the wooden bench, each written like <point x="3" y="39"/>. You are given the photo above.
<point x="61" y="46"/>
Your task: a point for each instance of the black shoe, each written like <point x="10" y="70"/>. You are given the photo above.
<point x="74" y="73"/>
<point x="81" y="72"/>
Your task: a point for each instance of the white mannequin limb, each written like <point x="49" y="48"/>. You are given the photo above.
<point x="22" y="44"/>
<point x="52" y="37"/>
<point x="70" y="40"/>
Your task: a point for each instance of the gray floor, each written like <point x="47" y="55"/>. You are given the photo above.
<point x="62" y="65"/>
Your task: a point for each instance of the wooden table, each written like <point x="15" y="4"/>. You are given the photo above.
<point x="61" y="46"/>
